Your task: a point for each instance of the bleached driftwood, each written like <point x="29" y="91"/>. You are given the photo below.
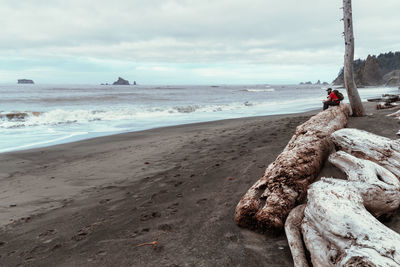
<point x="294" y="237"/>
<point x="284" y="184"/>
<point x="362" y="144"/>
<point x="379" y="188"/>
<point x="396" y="115"/>
<point x="385" y="105"/>
<point x="338" y="228"/>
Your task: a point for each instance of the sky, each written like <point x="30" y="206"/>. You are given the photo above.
<point x="187" y="41"/>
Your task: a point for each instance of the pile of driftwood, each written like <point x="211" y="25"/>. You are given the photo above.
<point x="338" y="225"/>
<point x="284" y="185"/>
<point x="386" y="101"/>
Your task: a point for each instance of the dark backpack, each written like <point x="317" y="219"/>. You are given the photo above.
<point x="338" y="94"/>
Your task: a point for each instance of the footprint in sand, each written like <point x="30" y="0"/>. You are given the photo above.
<point x="149" y="215"/>
<point x="103" y="201"/>
<point x="165" y="227"/>
<point x="201" y="201"/>
<point x="84" y="232"/>
<point x="101" y="253"/>
<point x="173" y="208"/>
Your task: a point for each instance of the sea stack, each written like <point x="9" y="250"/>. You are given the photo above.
<point x="25" y="81"/>
<point x="121" y="82"/>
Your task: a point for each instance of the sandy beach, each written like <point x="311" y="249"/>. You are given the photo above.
<point x="91" y="203"/>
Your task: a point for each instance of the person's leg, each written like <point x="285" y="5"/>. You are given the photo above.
<point x="330" y="103"/>
<point x="334" y="103"/>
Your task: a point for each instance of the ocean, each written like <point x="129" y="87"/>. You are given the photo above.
<point x="41" y="115"/>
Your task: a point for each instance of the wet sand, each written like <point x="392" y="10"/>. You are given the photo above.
<point x="91" y="203"/>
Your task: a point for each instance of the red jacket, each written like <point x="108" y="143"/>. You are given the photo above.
<point x="333" y="97"/>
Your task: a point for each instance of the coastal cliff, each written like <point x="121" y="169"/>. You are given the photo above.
<point x="383" y="69"/>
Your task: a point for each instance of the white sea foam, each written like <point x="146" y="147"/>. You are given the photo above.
<point x="82" y="116"/>
<point x="258" y="90"/>
<point x="61" y="116"/>
<point x="89" y="111"/>
<point x="41" y="143"/>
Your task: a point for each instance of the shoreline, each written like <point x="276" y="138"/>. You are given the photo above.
<point x="64" y="125"/>
<point x="91" y="202"/>
<point x="74" y="139"/>
<point x="41" y="158"/>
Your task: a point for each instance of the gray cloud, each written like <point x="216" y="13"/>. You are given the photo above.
<point x="256" y="32"/>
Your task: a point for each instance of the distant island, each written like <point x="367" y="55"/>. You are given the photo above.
<point x="121" y="81"/>
<point x="317" y="83"/>
<point x="383" y="69"/>
<point x="25" y="81"/>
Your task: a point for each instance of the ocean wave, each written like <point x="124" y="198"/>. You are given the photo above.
<point x="258" y="90"/>
<point x="134" y="114"/>
<point x="186" y="109"/>
<point x="18" y="116"/>
<point x="62" y="116"/>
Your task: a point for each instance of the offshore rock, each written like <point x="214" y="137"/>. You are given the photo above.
<point x="25" y="81"/>
<point x="121" y="82"/>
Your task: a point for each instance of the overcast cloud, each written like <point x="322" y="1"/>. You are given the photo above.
<point x="187" y="41"/>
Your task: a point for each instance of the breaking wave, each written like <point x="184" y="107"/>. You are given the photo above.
<point x="257" y="90"/>
<point x="62" y="116"/>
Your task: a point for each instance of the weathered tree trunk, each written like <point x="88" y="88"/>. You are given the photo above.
<point x="338" y="228"/>
<point x="362" y="144"/>
<point x="268" y="202"/>
<point x="352" y="92"/>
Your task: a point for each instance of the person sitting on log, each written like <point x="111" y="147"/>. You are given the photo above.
<point x="332" y="99"/>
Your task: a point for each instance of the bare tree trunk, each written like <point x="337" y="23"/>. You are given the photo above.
<point x="352" y="92"/>
<point x="267" y="203"/>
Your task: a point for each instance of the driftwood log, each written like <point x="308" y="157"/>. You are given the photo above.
<point x="386" y="101"/>
<point x="385" y="105"/>
<point x="284" y="185"/>
<point x="338" y="224"/>
<point x="362" y="144"/>
<point x="396" y="115"/>
<point x="294" y="237"/>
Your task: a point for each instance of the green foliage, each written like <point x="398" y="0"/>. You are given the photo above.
<point x="387" y="62"/>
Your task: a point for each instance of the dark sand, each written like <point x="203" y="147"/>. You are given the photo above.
<point x="90" y="203"/>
